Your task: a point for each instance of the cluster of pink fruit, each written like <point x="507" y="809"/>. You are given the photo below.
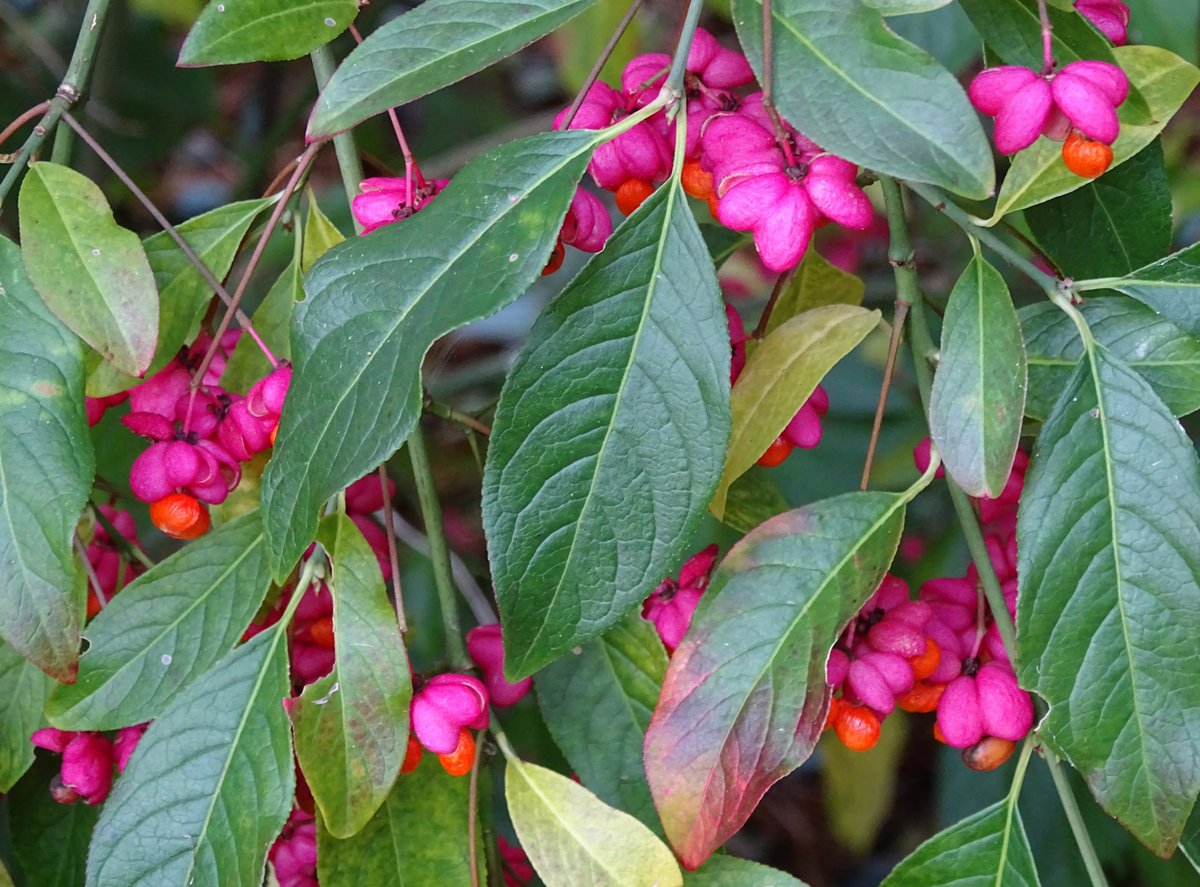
<point x="88" y="759"/>
<point x="940" y="652"/>
<point x="1076" y="105"/>
<point x="201" y="435"/>
<point x="757" y="173"/>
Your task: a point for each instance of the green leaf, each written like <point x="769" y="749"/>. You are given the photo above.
<point x="1012" y="30"/>
<point x="1171" y="24"/>
<point x="745" y="696"/>
<point x="1109" y="542"/>
<point x="418" y="837"/>
<point x="351" y="726"/>
<point x="375" y="304"/>
<point x="859" y="789"/>
<point x="1038" y="174"/>
<point x="575" y="840"/>
<point x="1171" y="286"/>
<point x="987" y="849"/>
<point x="5" y="878"/>
<point x="1111" y="226"/>
<point x="978" y="396"/>
<point x="752" y="499"/>
<point x="816" y="283"/>
<point x="232" y="31"/>
<point x="183" y="294"/>
<point x="1156" y="349"/>
<point x="1190" y="842"/>
<point x="165" y="629"/>
<point x="608" y="438"/>
<point x="905" y="7"/>
<point x="46" y="467"/>
<point x="211" y="783"/>
<point x="320" y="234"/>
<point x="729" y="871"/>
<point x="271" y="320"/>
<point x="439" y="43"/>
<point x="23" y="690"/>
<point x="723" y="242"/>
<point x="91" y="272"/>
<point x="780" y="375"/>
<point x="50" y="840"/>
<point x="597" y="704"/>
<point x="849" y="83"/>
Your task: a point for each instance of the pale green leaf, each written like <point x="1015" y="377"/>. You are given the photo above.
<point x="232" y="31"/>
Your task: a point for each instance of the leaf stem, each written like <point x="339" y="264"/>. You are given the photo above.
<point x="473" y="812"/>
<point x="900" y="254"/>
<point x="674" y="84"/>
<point x="974" y="228"/>
<point x="69" y="91"/>
<point x="172" y="232"/>
<point x="343" y="143"/>
<point x="889" y="368"/>
<point x="1083" y="840"/>
<point x="450" y="414"/>
<point x="1047" y="38"/>
<point x="605" y="55"/>
<point x="439" y="553"/>
<point x="764" y="319"/>
<point x="93" y="579"/>
<point x="302" y="165"/>
<point x="393" y="553"/>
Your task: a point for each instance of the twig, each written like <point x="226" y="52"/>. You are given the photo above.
<point x="69" y="91"/>
<point x="764" y="319"/>
<point x="439" y="554"/>
<point x="184" y="247"/>
<point x="605" y="55"/>
<point x="1066" y="797"/>
<point x="674" y="84"/>
<point x="93" y="579"/>
<point x="393" y="554"/>
<point x="449" y="413"/>
<point x="343" y="143"/>
<point x="481" y="608"/>
<point x="473" y="810"/>
<point x="889" y="369"/>
<point x="118" y="539"/>
<point x="305" y="160"/>
<point x="1047" y="38"/>
<point x="8" y="131"/>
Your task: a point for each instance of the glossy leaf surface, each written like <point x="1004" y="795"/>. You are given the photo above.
<point x="609" y="436"/>
<point x="418" y="837"/>
<point x="1109" y="544"/>
<point x="183" y="293"/>
<point x="427" y="48"/>
<point x="165" y="629"/>
<point x="351" y="726"/>
<point x="1163" y="79"/>
<point x="745" y="696"/>
<point x="231" y="31"/>
<point x="210" y="784"/>
<point x="851" y="85"/>
<point x="375" y="304"/>
<point x="1161" y="353"/>
<point x="780" y="375"/>
<point x="1119" y="222"/>
<point x="23" y="689"/>
<point x="46" y="467"/>
<point x="987" y="849"/>
<point x="597" y="704"/>
<point x="574" y="840"/>
<point x="91" y="272"/>
<point x="978" y="396"/>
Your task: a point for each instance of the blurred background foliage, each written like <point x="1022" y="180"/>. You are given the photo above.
<point x="195" y="139"/>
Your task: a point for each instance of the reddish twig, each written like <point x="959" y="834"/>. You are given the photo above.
<point x="605" y="55"/>
<point x="36" y="111"/>
<point x="889" y="368"/>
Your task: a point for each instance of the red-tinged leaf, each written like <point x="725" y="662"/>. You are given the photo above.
<point x="745" y="697"/>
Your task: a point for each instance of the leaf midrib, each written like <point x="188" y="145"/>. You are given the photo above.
<point x="898" y="503"/>
<point x="331" y="414"/>
<point x="622" y="389"/>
